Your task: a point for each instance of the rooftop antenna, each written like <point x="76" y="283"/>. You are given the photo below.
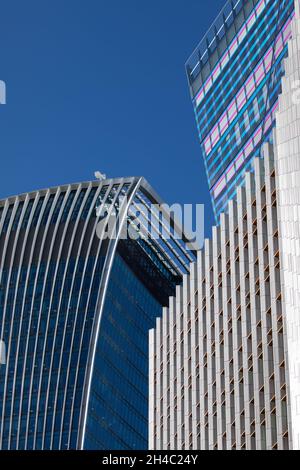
<point x="100" y="176"/>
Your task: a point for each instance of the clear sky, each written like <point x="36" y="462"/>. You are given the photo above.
<point x="101" y="85"/>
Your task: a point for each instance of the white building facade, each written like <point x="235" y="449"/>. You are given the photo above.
<point x="288" y="182"/>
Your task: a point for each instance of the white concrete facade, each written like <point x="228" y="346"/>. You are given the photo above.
<point x="288" y="184"/>
<point x="217" y="355"/>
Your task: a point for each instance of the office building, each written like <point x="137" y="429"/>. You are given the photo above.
<point x="75" y="310"/>
<point x="235" y="79"/>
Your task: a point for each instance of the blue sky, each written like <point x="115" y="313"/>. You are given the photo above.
<point x="100" y="85"/>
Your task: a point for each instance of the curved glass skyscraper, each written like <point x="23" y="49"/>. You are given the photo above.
<point x="75" y="310"/>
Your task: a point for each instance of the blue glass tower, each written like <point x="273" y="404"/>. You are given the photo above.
<point x="235" y="80"/>
<point x="75" y="310"/>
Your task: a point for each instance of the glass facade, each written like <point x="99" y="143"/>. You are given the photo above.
<point x="75" y="311"/>
<point x="235" y="80"/>
<point x="117" y="417"/>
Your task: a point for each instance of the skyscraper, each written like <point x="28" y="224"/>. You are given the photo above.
<point x="235" y="78"/>
<point x="75" y="309"/>
<point x="225" y="357"/>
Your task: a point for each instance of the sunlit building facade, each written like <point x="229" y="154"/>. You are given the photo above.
<point x="235" y="79"/>
<point x="75" y="310"/>
<point x="218" y="368"/>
